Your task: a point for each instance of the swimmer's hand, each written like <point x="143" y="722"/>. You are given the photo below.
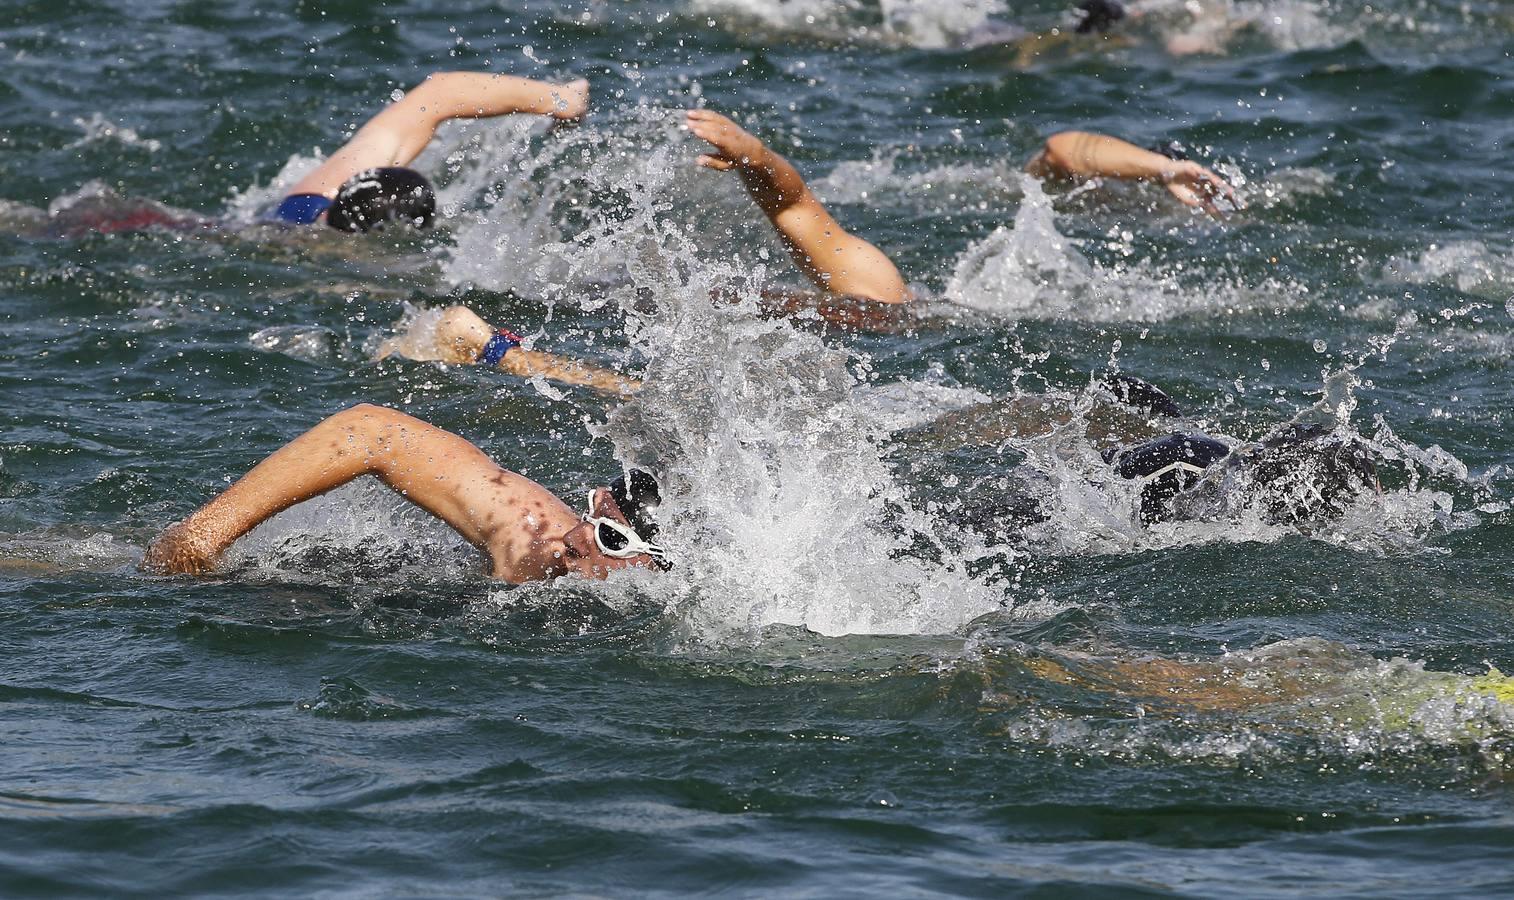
<point x="1196" y="186"/>
<point x="179" y="551"/>
<point x="733" y="145"/>
<point x="571" y="100"/>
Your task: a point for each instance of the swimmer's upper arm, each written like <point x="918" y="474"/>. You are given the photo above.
<point x="835" y="259"/>
<point x="394" y="137"/>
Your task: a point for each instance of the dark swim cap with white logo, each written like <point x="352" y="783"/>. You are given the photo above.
<point x="375" y="197"/>
<point x="1169" y="465"/>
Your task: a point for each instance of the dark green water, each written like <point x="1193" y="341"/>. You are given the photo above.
<point x="851" y="683"/>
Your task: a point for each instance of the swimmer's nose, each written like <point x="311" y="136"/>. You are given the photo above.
<point x="576" y="541"/>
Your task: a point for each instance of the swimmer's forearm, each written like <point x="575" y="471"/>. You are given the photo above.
<point x="461" y="336"/>
<point x="529" y="363"/>
<point x="830" y="256"/>
<point x="312" y="464"/>
<point x="401" y="130"/>
<point x="473" y="95"/>
<point x="774" y="183"/>
<point x="1083" y="154"/>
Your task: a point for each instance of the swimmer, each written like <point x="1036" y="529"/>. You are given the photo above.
<point x="1083" y="156"/>
<point x="1093" y="29"/>
<point x="526" y="531"/>
<point x="460" y="336"/>
<point x="1299" y="476"/>
<point x="839" y="263"/>
<point x="365" y="184"/>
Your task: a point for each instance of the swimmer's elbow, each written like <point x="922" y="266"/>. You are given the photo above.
<point x="1059" y="154"/>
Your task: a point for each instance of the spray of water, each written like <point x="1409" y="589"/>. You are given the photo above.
<point x="1031" y="270"/>
<point x="919" y="23"/>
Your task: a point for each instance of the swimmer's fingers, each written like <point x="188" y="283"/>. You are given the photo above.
<point x="1220" y="188"/>
<point x="733" y="145"/>
<point x="718" y="163"/>
<point x="1198" y="187"/>
<point x="1185" y="193"/>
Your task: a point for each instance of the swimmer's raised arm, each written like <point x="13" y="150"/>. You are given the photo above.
<point x="402" y="129"/>
<point x="833" y="259"/>
<point x="462" y="336"/>
<point x="1083" y="154"/>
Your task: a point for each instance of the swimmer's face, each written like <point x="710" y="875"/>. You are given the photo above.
<point x="582" y="551"/>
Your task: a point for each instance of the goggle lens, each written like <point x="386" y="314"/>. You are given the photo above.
<point x="610" y="537"/>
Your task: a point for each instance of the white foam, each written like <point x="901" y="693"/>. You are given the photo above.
<point x="98" y="128"/>
<point x="311" y="343"/>
<point x="1470" y="266"/>
<point x="920" y="23"/>
<point x="1188" y="27"/>
<point x="866" y="181"/>
<point x="363" y="525"/>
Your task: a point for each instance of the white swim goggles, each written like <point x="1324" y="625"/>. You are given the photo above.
<point x="619" y="541"/>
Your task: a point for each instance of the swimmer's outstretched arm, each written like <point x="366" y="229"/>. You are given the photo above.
<point x="505" y="514"/>
<point x="1083" y="154"/>
<point x="461" y="335"/>
<point x="833" y="259"/>
<point x="398" y="134"/>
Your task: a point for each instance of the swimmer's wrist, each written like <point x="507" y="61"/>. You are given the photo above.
<point x="501" y="342"/>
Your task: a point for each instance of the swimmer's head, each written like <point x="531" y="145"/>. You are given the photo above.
<point x="1306" y="473"/>
<point x="1173" y="150"/>
<point x="1140" y="395"/>
<point x="1167" y="466"/>
<point x="1098" y="15"/>
<point x="375" y="197"/>
<point x="637" y="497"/>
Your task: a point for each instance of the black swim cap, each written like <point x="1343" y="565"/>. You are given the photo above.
<point x="374" y="197"/>
<point x="1172" y="463"/>
<point x="1098" y="15"/>
<point x="1142" y="396"/>
<point x="1171" y="149"/>
<point x="636" y="499"/>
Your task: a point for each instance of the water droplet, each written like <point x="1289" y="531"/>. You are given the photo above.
<point x="883" y="798"/>
<point x="1508" y="306"/>
<point x="1319" y="346"/>
<point x="397" y="95"/>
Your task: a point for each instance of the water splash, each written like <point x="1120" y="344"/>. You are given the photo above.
<point x="949" y="186"/>
<point x="1031" y="270"/>
<point x="1082" y="506"/>
<point x="918" y="23"/>
<point x="359" y="531"/>
<point x="1470" y="266"/>
<point x="245" y="205"/>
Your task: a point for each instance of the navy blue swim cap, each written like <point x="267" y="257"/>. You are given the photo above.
<point x="1170" y="464"/>
<point x="375" y="197"/>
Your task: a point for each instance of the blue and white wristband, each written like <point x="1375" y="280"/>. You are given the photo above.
<point x="500" y="343"/>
